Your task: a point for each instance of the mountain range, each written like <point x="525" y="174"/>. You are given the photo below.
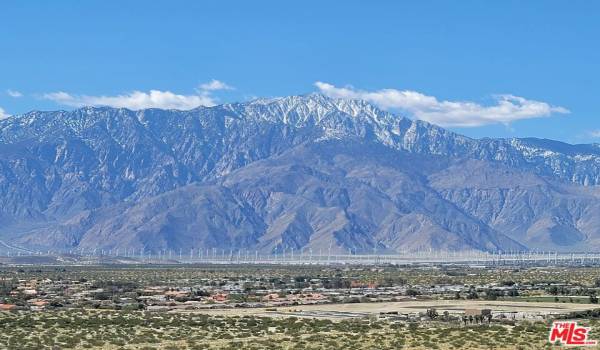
<point x="287" y="173"/>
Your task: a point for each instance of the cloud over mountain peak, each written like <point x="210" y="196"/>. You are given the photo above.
<point x="137" y="100"/>
<point x="507" y="108"/>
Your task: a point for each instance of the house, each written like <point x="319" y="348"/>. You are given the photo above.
<point x="174" y="294"/>
<point x="7" y="307"/>
<point x="271" y="297"/>
<point x="220" y="297"/>
<point x="37" y="305"/>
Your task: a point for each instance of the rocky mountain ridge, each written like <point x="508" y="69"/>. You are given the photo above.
<point x="156" y="179"/>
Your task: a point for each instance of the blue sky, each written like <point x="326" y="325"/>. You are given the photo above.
<point x="482" y="68"/>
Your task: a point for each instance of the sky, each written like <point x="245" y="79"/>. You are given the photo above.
<point x="480" y="68"/>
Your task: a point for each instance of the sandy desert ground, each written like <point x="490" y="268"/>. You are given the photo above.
<point x="335" y="311"/>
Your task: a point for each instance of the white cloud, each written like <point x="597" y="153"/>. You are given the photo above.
<point x="135" y="100"/>
<point x="215" y="85"/>
<point x="14" y="93"/>
<point x="507" y="108"/>
<point x="3" y="114"/>
<point x="595" y="133"/>
<point x="141" y="100"/>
